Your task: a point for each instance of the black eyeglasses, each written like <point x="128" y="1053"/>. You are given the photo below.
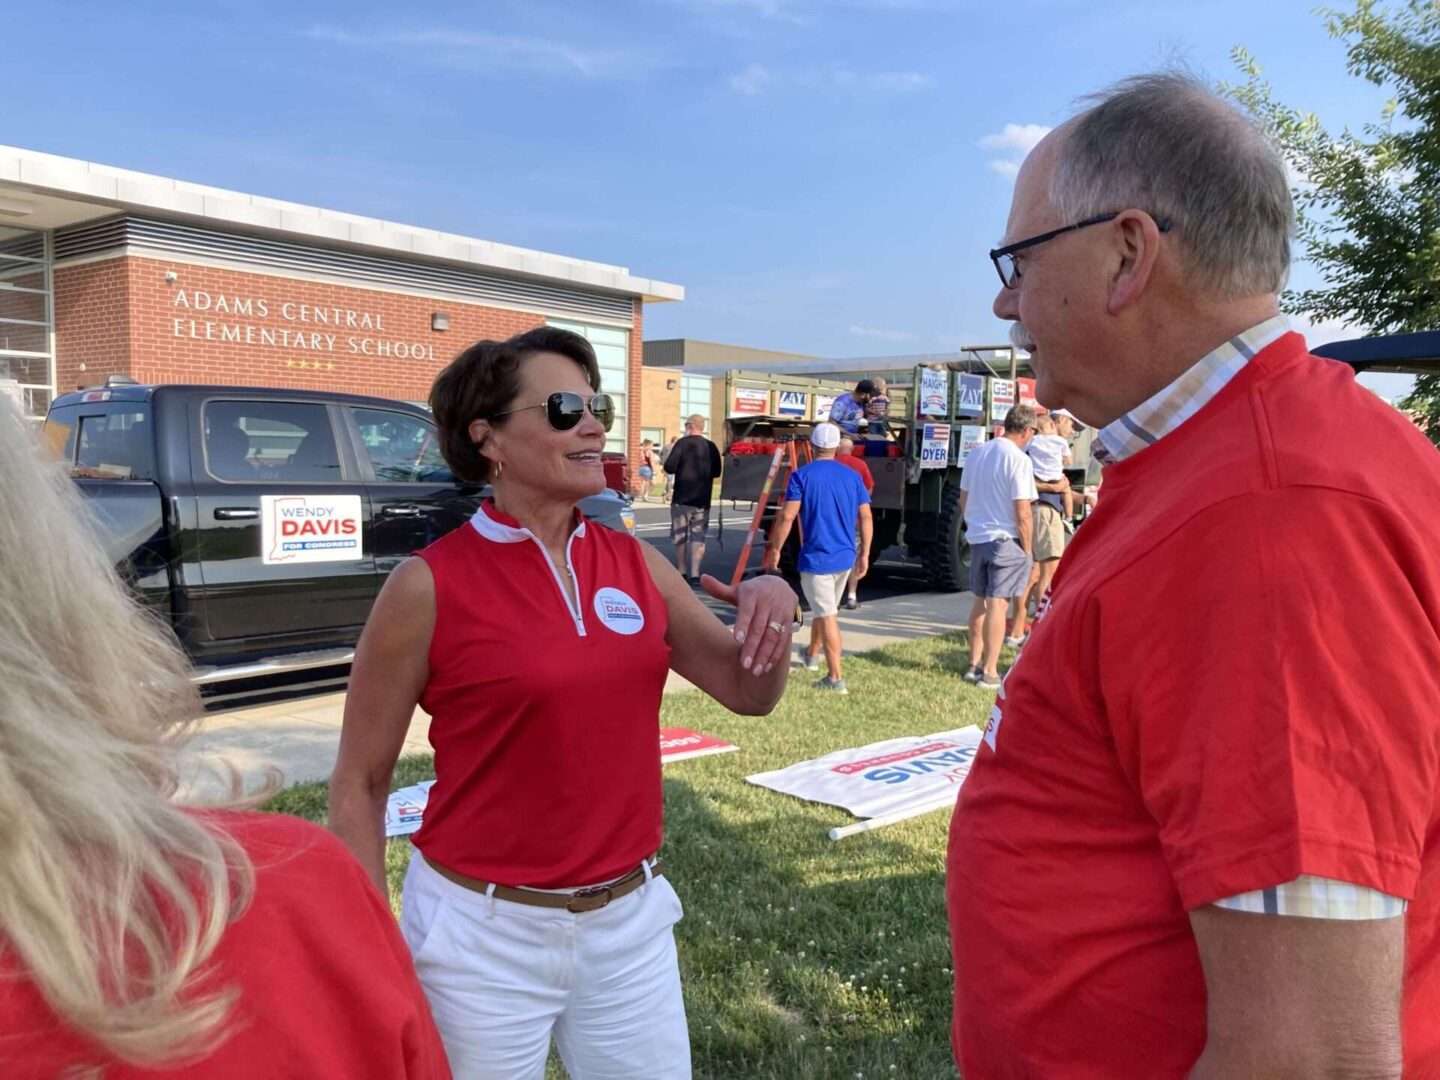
<point x="564" y="410"/>
<point x="1004" y="257"/>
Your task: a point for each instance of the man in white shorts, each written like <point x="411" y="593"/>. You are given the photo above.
<point x="829" y="499"/>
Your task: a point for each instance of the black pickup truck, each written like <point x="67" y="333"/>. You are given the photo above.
<point x="260" y="523"/>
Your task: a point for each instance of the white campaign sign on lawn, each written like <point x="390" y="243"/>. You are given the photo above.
<point x="310" y="528"/>
<point x="884" y="778"/>
<point x="405" y="808"/>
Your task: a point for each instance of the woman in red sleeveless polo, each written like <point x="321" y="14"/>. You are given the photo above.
<point x="539" y="643"/>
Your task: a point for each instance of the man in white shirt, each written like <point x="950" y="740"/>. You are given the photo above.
<point x="997" y="487"/>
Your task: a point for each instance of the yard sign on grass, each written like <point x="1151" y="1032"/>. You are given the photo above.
<point x="883" y="782"/>
<point x="406" y="807"/>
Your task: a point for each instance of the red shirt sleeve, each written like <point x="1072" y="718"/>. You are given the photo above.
<point x="1269" y="675"/>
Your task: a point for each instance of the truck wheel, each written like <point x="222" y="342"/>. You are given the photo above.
<point x="947" y="560"/>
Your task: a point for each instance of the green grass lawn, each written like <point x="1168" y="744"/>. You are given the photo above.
<point x="801" y="956"/>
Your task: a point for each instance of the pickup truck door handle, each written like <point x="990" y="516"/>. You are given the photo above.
<point x="235" y="513"/>
<point x="400" y="510"/>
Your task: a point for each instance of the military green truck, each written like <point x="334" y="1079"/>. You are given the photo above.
<point x="935" y="419"/>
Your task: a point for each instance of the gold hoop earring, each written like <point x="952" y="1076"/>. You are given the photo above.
<point x="499" y="469"/>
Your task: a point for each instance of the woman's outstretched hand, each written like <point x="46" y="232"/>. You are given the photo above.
<point x="764" y="618"/>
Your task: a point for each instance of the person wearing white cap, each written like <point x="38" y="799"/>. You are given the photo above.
<point x="829" y="499"/>
<point x="1050" y="455"/>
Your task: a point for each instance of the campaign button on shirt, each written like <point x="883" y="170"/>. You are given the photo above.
<point x="618" y="611"/>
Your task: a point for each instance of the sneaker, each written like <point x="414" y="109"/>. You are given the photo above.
<point x="988" y="682"/>
<point x="1015" y="642"/>
<point x="973" y="675"/>
<point x="812" y="663"/>
<point x="835" y="686"/>
<point x="851" y="603"/>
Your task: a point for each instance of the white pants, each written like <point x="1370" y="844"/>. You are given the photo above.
<point x="502" y="977"/>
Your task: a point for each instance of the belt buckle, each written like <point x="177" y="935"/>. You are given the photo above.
<point x="580" y="902"/>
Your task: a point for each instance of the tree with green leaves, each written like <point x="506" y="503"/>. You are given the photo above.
<point x="1369" y="202"/>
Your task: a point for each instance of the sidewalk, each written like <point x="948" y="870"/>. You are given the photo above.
<point x="300" y="737"/>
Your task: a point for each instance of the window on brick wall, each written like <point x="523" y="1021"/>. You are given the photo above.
<point x="695" y="398"/>
<point x="612" y="351"/>
<point x="27" y="361"/>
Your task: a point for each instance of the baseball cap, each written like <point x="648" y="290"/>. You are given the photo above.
<point x="1058" y="413"/>
<point x="826" y="436"/>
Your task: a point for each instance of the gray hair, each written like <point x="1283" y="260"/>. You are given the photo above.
<point x="1019" y="419"/>
<point x="1166" y="144"/>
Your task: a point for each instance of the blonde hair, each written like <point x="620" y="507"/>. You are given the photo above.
<point x="112" y="898"/>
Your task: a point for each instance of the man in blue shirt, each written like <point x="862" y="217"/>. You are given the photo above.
<point x="848" y="410"/>
<point x="829" y="499"/>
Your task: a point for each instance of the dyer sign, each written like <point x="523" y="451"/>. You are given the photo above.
<point x="310" y="528"/>
<point x="935" y="446"/>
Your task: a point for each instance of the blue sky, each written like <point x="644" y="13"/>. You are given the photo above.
<point x="823" y="176"/>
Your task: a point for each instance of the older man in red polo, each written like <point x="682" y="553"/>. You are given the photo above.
<point x="1201" y="837"/>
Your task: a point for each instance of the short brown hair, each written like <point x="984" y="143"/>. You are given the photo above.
<point x="483" y="381"/>
<point x="1020" y="418"/>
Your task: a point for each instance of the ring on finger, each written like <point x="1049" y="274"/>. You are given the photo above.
<point x="776" y="628"/>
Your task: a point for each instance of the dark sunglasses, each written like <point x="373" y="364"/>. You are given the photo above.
<point x="564" y="410"/>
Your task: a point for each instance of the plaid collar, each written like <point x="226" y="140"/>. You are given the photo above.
<point x="1157" y="417"/>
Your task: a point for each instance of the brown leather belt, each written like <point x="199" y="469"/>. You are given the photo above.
<point x="577" y="902"/>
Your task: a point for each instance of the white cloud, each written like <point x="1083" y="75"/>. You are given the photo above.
<point x="757" y="79"/>
<point x="754" y="80"/>
<point x="1021" y="138"/>
<point x="495" y="51"/>
<point x="1324" y="331"/>
<point x="1011" y="143"/>
<point x="900" y="82"/>
<point x="878" y="334"/>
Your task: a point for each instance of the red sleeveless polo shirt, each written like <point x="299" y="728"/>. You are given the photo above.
<point x="544" y="718"/>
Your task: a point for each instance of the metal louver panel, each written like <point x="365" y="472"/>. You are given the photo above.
<point x="170" y="237"/>
<point x="28" y="245"/>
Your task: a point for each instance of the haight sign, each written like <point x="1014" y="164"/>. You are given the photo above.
<point x="312" y="329"/>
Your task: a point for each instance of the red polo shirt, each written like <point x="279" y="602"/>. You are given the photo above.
<point x="858" y="464"/>
<point x="545" y="717"/>
<point x="1234" y="683"/>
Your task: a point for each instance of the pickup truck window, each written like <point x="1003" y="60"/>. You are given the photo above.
<point x="402" y="448"/>
<point x="114" y="446"/>
<point x="270" y="441"/>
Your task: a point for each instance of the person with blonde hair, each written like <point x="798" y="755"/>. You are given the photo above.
<point x="139" y="937"/>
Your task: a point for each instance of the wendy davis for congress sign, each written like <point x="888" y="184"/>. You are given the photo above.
<point x="895" y="776"/>
<point x="310" y="528"/>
